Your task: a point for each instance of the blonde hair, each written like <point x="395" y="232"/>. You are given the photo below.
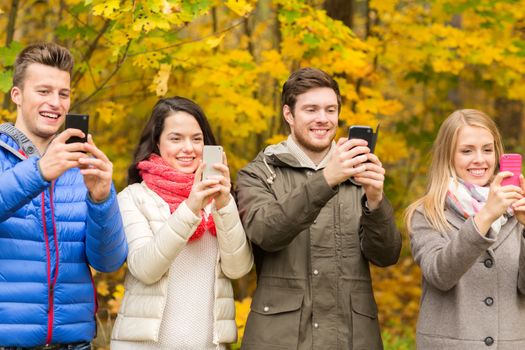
<point x="442" y="165"/>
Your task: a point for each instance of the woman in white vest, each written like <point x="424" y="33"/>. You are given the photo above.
<point x="185" y="239"/>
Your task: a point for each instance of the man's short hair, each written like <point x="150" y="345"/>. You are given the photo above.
<point x="49" y="54"/>
<point x="306" y="79"/>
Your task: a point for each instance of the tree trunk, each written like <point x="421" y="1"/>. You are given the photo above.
<point x="342" y="10"/>
<point x="509" y="116"/>
<point x="10" y="33"/>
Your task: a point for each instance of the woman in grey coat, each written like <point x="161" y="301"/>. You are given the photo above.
<point x="467" y="236"/>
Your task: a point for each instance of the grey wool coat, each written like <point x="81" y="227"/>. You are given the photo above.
<point x="473" y="286"/>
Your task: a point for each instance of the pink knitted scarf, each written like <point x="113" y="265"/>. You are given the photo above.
<point x="172" y="186"/>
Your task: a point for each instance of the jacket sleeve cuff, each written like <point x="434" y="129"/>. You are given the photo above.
<point x="98" y="210"/>
<point x="384" y="210"/>
<point x="183" y="221"/>
<point x="321" y="190"/>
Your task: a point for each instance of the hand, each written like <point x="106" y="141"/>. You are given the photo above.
<point x="60" y="157"/>
<point x="223" y="196"/>
<point x="97" y="171"/>
<point x="498" y="201"/>
<point x="202" y="191"/>
<point x="519" y="205"/>
<point x="348" y="160"/>
<point x="372" y="180"/>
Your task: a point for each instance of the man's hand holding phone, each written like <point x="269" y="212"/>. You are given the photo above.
<point x="59" y="156"/>
<point x="97" y="171"/>
<point x="347" y="160"/>
<point x="216" y="167"/>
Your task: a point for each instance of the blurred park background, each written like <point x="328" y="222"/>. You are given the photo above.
<point x="404" y="63"/>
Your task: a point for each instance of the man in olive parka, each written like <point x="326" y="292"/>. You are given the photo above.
<point x="316" y="214"/>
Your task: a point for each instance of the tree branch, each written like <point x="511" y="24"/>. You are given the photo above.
<point x="89" y="52"/>
<point x="189" y="41"/>
<point x="110" y="76"/>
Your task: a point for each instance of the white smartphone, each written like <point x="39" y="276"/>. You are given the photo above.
<point x="211" y="155"/>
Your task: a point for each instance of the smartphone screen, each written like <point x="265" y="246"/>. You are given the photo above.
<point x="510" y="162"/>
<point x="211" y="155"/>
<point x="362" y="132"/>
<point x="77" y="121"/>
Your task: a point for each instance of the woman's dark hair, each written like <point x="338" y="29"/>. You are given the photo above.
<point x="150" y="137"/>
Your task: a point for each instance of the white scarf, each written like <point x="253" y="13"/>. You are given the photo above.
<point x="467" y="199"/>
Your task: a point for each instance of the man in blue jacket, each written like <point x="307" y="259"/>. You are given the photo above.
<point x="58" y="212"/>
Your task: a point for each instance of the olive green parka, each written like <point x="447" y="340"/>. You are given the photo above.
<point x="312" y="247"/>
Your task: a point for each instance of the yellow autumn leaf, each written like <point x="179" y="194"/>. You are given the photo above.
<point x="214" y="41"/>
<point x="108" y="9"/>
<point x="102" y="288"/>
<point x="242" y="309"/>
<point x="160" y="81"/>
<point x="240" y="7"/>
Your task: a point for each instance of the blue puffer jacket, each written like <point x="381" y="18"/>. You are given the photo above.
<point x="49" y="233"/>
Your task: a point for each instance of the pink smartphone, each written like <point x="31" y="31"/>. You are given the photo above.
<point x="510" y="162"/>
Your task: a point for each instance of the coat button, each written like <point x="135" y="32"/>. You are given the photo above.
<point x="266" y="309"/>
<point x="489" y="301"/>
<point x="489" y="341"/>
<point x="309" y="173"/>
<point x="488" y="263"/>
<point x="316" y="272"/>
<point x="316" y="325"/>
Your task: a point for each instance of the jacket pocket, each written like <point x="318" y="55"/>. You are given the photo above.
<point x="274" y="318"/>
<point x="365" y="326"/>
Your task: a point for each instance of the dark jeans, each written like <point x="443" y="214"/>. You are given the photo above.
<point x="76" y="346"/>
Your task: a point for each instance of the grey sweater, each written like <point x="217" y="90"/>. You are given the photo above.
<point x="473" y="286"/>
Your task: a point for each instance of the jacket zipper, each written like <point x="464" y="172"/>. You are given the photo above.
<point x="51" y="283"/>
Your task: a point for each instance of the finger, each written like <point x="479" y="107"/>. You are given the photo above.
<point x="354" y="143"/>
<point x="341" y="141"/>
<point x="520" y="202"/>
<point x="374" y="159"/>
<point x="522" y="182"/>
<point x="222" y="168"/>
<point x="209" y="182"/>
<point x="94" y="162"/>
<point x="510" y="188"/>
<point x="67" y="133"/>
<point x="198" y="173"/>
<point x="519" y="208"/>
<point x="94" y="150"/>
<point x="94" y="172"/>
<point x="510" y="198"/>
<point x="374" y="168"/>
<point x="500" y="176"/>
<point x="209" y="192"/>
<point x="358" y="150"/>
<point x="369" y="182"/>
<point x="224" y="159"/>
<point x="354" y="171"/>
<point x="372" y="175"/>
<point x="355" y="161"/>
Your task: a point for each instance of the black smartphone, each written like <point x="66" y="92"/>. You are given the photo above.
<point x="365" y="133"/>
<point x="77" y="121"/>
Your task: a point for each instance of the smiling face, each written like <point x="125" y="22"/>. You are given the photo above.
<point x="475" y="155"/>
<point x="181" y="142"/>
<point x="313" y="123"/>
<point x="42" y="102"/>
